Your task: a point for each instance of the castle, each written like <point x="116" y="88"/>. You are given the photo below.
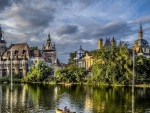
<point x="23" y="57"/>
<point x="140" y="47"/>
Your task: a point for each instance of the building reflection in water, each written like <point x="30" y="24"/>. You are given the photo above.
<point x="0" y="98"/>
<point x="133" y="103"/>
<point x="11" y="98"/>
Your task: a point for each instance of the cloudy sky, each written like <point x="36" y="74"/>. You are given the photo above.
<point x="73" y="22"/>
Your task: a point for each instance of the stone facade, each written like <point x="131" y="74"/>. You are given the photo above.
<point x="21" y="57"/>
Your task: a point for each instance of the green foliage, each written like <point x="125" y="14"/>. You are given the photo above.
<point x="71" y="59"/>
<point x="142" y="64"/>
<point x="73" y="55"/>
<point x="71" y="74"/>
<point x="15" y="77"/>
<point x="34" y="48"/>
<point x="112" y="65"/>
<point x="5" y="79"/>
<point x="39" y="73"/>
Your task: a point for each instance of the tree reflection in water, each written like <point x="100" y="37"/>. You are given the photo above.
<point x="78" y="98"/>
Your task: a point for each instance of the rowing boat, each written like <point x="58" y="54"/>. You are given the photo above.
<point x="61" y="111"/>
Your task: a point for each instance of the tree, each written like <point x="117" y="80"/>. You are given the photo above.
<point x="142" y="64"/>
<point x="71" y="74"/>
<point x="39" y="73"/>
<point x="71" y="59"/>
<point x="112" y="64"/>
<point x="34" y="48"/>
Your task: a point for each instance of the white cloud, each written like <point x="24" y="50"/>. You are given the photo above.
<point x="30" y="21"/>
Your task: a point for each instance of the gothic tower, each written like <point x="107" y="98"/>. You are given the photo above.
<point x="2" y="42"/>
<point x="49" y="51"/>
<point x="100" y="43"/>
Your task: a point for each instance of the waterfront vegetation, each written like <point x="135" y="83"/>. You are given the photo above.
<point x="112" y="66"/>
<point x="45" y="98"/>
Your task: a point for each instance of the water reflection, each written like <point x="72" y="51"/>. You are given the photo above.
<point x="79" y="98"/>
<point x="0" y="98"/>
<point x="133" y="104"/>
<point x="11" y="98"/>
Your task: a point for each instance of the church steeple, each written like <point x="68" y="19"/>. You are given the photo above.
<point x="49" y="39"/>
<point x="140" y="32"/>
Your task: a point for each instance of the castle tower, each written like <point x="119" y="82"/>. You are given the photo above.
<point x="100" y="43"/>
<point x="107" y="42"/>
<point x="2" y="42"/>
<point x="113" y="41"/>
<point x="49" y="51"/>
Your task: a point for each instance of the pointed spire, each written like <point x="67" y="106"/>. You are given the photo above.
<point x="49" y="39"/>
<point x="140" y="31"/>
<point x="140" y="24"/>
<point x="57" y="63"/>
<point x="113" y="39"/>
<point x="80" y="47"/>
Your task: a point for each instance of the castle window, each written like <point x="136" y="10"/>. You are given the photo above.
<point x="16" y="51"/>
<point x="144" y="49"/>
<point x="147" y="50"/>
<point x="24" y="51"/>
<point x="8" y="52"/>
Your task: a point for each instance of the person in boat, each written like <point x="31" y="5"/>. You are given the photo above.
<point x="66" y="109"/>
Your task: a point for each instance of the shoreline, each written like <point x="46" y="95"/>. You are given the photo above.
<point x="70" y="84"/>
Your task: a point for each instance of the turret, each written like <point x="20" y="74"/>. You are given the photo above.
<point x="100" y="43"/>
<point x="113" y="41"/>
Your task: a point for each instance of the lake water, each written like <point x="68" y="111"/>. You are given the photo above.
<point x="33" y="98"/>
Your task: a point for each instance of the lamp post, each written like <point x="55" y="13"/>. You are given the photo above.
<point x="133" y="80"/>
<point x="133" y="76"/>
<point x="11" y="50"/>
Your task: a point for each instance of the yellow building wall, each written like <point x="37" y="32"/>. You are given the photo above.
<point x="88" y="61"/>
<point x="100" y="43"/>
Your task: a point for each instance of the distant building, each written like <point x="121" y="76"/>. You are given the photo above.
<point x="49" y="52"/>
<point x="85" y="60"/>
<point x="79" y="59"/>
<point x="107" y="43"/>
<point x="57" y="65"/>
<point x="88" y="57"/>
<point x="141" y="46"/>
<point x="22" y="59"/>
